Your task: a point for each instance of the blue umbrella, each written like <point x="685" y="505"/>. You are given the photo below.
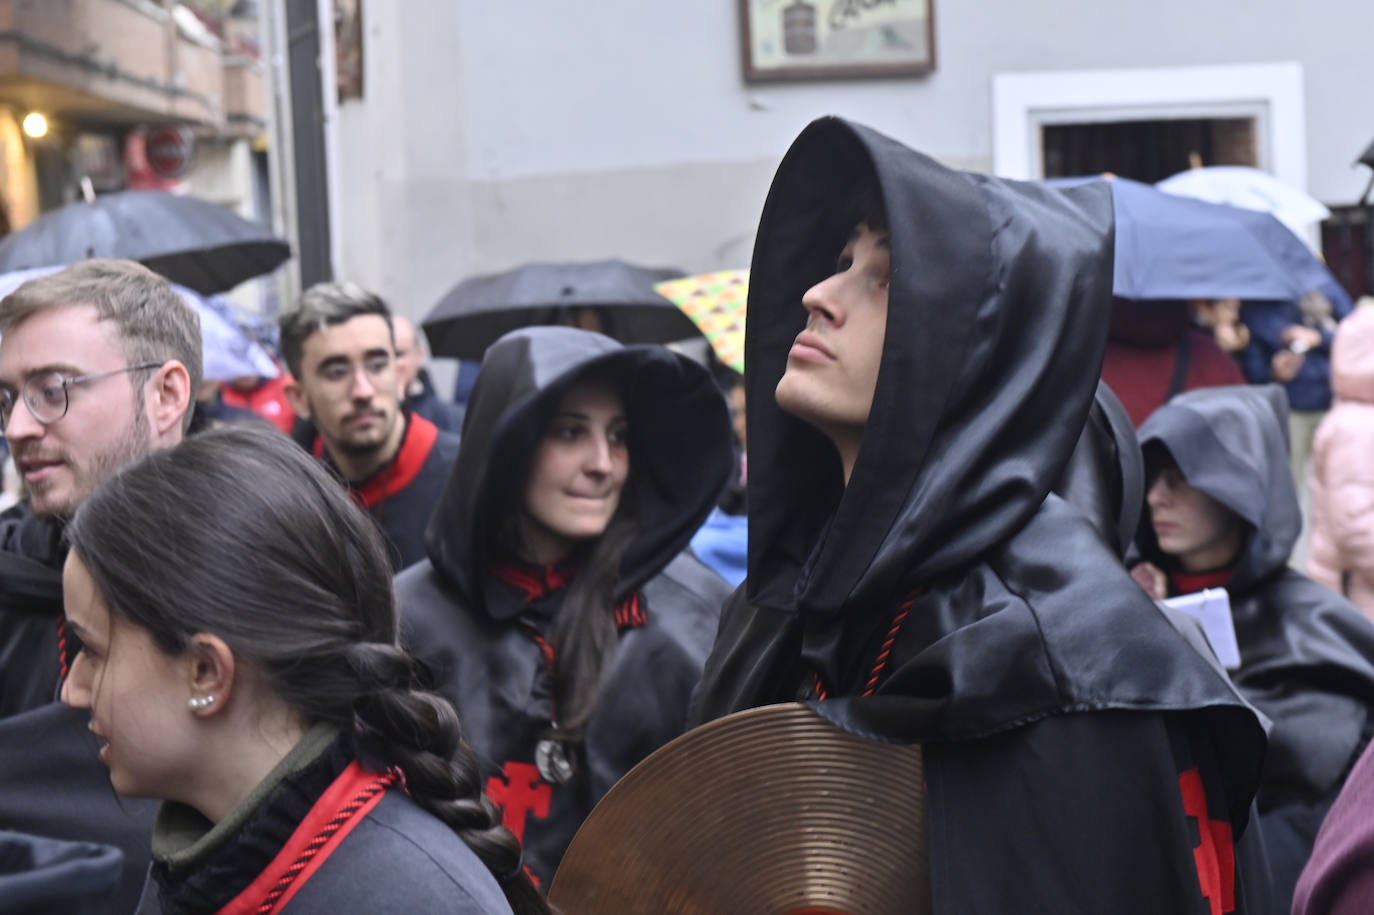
<point x="1173" y="247"/>
<point x="227" y="350"/>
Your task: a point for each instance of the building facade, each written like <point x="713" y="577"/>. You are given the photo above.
<point x="134" y="94"/>
<point x="488" y="134"/>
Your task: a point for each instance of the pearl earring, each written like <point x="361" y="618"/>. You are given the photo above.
<point x="199" y="702"/>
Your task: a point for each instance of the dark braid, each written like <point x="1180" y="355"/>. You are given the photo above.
<point x="417" y="731"/>
<point x="167" y="541"/>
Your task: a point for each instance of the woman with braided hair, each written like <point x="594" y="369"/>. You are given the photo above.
<point x="240" y="662"/>
<point x="559" y="609"/>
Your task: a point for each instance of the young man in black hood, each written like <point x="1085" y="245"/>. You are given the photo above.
<point x="1223" y="513"/>
<point x="911" y="407"/>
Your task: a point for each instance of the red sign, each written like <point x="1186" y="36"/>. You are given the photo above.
<point x="168" y="150"/>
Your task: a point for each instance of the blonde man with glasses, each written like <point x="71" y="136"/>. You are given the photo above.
<point x="98" y="367"/>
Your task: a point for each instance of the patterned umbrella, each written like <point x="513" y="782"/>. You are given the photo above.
<point x="716" y="304"/>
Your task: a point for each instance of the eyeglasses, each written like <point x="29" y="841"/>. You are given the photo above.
<point x="48" y="394"/>
<point x="338" y="375"/>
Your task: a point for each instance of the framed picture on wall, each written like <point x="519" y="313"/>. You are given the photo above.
<point x="836" y="39"/>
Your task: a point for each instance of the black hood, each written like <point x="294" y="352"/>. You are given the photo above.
<point x="1105" y="476"/>
<point x="996" y="326"/>
<point x="1232" y="443"/>
<point x="680" y="456"/>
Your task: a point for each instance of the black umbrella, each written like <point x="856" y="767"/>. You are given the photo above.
<point x="199" y="244"/>
<point x="1367" y="157"/>
<point x="473" y="314"/>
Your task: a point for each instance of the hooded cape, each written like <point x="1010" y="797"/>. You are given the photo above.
<point x="483" y="643"/>
<point x="977" y="609"/>
<point x="1307" y="654"/>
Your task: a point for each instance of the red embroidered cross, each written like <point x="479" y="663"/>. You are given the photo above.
<point x="1215" y="854"/>
<point x="521" y="793"/>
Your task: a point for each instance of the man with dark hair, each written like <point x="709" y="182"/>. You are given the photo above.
<point x="341" y="350"/>
<point x="911" y="407"/>
<point x="99" y="364"/>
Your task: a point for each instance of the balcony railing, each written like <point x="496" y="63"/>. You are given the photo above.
<point x="119" y="60"/>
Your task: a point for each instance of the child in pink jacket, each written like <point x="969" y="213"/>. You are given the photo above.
<point x="1341" y="550"/>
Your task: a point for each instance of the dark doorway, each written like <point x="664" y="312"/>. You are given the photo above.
<point x="1147" y="151"/>
<point x="1349" y="248"/>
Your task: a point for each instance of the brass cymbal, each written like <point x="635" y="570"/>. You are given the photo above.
<point x="770" y="811"/>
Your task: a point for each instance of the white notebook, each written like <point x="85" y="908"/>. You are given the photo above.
<point x="1212" y="609"/>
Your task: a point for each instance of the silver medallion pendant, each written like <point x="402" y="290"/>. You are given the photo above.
<point x="551" y="757"/>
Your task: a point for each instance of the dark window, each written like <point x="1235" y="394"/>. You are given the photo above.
<point x="1147" y="151"/>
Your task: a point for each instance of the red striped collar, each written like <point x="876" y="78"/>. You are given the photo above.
<point x="342" y="806"/>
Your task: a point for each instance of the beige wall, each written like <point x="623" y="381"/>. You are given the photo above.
<point x="18" y="180"/>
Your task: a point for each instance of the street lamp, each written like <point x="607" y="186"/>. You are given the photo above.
<point x="35" y="125"/>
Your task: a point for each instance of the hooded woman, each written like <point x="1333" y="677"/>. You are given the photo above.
<point x="558" y="609"/>
<point x="1223" y="513"/>
<point x="272" y="711"/>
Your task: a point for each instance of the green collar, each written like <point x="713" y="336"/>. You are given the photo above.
<point x="182" y="835"/>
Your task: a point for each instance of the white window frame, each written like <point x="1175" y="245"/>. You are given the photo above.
<point x="1271" y="93"/>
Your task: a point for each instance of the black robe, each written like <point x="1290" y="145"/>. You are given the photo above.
<point x="51" y="782"/>
<point x="53" y="785"/>
<point x="1080" y="755"/>
<point x="477" y="633"/>
<point x="1306" y="653"/>
<point x="31" y="557"/>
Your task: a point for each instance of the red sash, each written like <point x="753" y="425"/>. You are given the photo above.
<point x="342" y="806"/>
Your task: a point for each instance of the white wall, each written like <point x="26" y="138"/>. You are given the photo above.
<point x="403" y="205"/>
<point x="222" y="171"/>
<point x="494" y="133"/>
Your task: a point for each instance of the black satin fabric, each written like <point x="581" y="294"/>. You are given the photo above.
<point x="997" y="320"/>
<point x="1105" y="476"/>
<point x="1027" y="655"/>
<point x="31" y="558"/>
<point x="1307" y="654"/>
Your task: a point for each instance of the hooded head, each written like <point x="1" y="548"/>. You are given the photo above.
<point x="1231" y="444"/>
<point x="1105" y="477"/>
<point x="997" y="306"/>
<point x="678" y="442"/>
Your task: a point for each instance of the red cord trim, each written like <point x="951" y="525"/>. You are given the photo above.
<point x="631" y="613"/>
<point x="886" y="650"/>
<point x="380" y="784"/>
<point x="62" y="647"/>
